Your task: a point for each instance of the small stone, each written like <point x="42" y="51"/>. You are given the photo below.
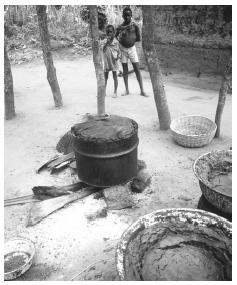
<point x="141" y="164"/>
<point x="185" y="198"/>
<point x="98" y="195"/>
<point x="141" y="181"/>
<point x="99" y="275"/>
<point x="105" y="238"/>
<point x="108" y="249"/>
<point x="118" y="197"/>
<point x="102" y="213"/>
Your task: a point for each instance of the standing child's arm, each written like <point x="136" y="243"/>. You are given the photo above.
<point x="119" y="52"/>
<point x="117" y="32"/>
<point x="104" y="47"/>
<point x="106" y="44"/>
<point x="138" y="35"/>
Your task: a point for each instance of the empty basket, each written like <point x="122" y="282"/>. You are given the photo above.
<point x="193" y="131"/>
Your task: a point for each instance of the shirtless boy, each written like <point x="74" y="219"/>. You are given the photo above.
<point x="127" y="34"/>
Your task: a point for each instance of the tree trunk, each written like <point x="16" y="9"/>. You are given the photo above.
<point x="8" y="88"/>
<point x="47" y="55"/>
<point x="97" y="58"/>
<point x="222" y="97"/>
<point x="154" y="67"/>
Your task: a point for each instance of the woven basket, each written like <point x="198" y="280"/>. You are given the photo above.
<point x="193" y="131"/>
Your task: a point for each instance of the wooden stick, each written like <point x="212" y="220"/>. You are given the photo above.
<point x="55" y="191"/>
<point x="61" y="159"/>
<point x="22" y="201"/>
<point x="18" y="198"/>
<point x="47" y="163"/>
<point x="44" y="193"/>
<point x="57" y="160"/>
<point x="42" y="209"/>
<point x="78" y="274"/>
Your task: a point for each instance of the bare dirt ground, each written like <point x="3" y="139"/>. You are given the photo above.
<point x="67" y="241"/>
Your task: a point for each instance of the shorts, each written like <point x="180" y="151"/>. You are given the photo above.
<point x="128" y="53"/>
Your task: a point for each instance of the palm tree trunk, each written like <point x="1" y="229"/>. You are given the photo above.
<point x="222" y="97"/>
<point x="47" y="55"/>
<point x="8" y="88"/>
<point x="154" y="68"/>
<point x="97" y="58"/>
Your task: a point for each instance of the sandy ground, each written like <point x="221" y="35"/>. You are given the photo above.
<point x="66" y="241"/>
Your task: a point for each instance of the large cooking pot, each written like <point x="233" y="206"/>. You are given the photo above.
<point x="106" y="150"/>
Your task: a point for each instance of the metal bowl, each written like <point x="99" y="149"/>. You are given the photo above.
<point x="176" y="245"/>
<point x="18" y="256"/>
<point x="201" y="167"/>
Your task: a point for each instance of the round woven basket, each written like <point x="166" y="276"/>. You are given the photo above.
<point x="193" y="131"/>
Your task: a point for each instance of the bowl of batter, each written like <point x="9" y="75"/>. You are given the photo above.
<point x="176" y="244"/>
<point x="214" y="173"/>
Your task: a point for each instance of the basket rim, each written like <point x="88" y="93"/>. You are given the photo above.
<point x="191" y="136"/>
<point x="200" y="179"/>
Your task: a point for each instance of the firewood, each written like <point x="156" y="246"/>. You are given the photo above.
<point x="41" y="210"/>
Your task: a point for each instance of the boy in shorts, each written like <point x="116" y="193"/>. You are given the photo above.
<point x="127" y="34"/>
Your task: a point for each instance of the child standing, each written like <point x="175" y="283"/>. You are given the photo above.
<point x="127" y="34"/>
<point x="111" y="54"/>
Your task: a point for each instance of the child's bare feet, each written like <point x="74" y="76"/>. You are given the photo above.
<point x="125" y="93"/>
<point x="114" y="95"/>
<point x="144" y="94"/>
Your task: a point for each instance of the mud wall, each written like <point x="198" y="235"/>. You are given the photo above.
<point x="193" y="38"/>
